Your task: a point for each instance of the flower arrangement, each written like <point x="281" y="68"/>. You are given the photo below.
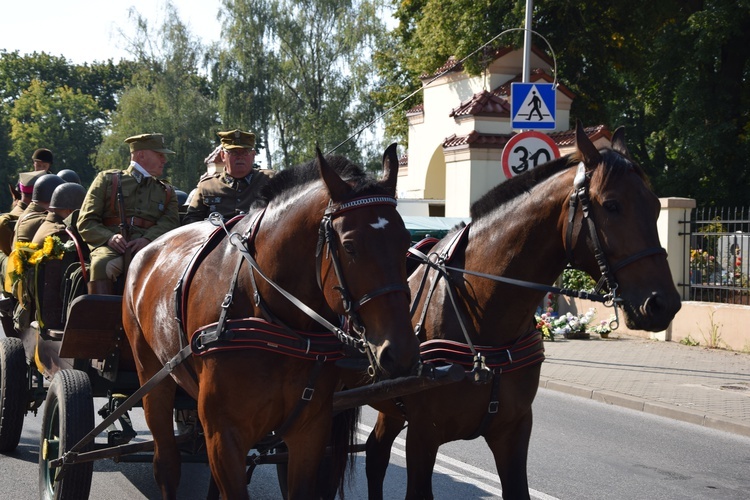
<point x="27" y="255"/>
<point x="603" y="329"/>
<point x="568" y="325"/>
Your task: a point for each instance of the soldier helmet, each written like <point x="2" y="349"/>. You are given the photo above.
<point x="68" y="196"/>
<point x="69" y="175"/>
<point x="181" y="197"/>
<point x="44" y="187"/>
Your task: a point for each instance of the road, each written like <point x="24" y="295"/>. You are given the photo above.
<point x="580" y="449"/>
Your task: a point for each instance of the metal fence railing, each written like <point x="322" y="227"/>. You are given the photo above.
<point x="719" y="259"/>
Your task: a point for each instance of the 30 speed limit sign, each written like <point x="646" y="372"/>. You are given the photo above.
<point x="526" y="150"/>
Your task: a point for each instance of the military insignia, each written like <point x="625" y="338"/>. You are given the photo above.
<point x="212" y="200"/>
<point x="237" y="134"/>
<point x="137" y="175"/>
<point x="161" y="207"/>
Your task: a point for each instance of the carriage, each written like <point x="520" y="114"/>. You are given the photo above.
<point x="464" y="302"/>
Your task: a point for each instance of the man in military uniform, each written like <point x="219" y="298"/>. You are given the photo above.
<point x="34" y="215"/>
<point x="149" y="206"/>
<point x="232" y="191"/>
<point x="8" y="220"/>
<point x="66" y="198"/>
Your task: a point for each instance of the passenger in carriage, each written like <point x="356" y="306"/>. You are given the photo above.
<point x="35" y="213"/>
<point x="65" y="200"/>
<point x="229" y="192"/>
<point x="8" y="220"/>
<point x="113" y="230"/>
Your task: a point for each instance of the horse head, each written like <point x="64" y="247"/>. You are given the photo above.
<point x="618" y="223"/>
<point x="361" y="255"/>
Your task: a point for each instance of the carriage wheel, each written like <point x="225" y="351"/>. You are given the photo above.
<point x="13" y="371"/>
<point x="68" y="417"/>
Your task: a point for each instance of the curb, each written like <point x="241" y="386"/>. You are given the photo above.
<point x="715" y="422"/>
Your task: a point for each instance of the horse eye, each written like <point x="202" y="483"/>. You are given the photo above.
<point x="348" y="247"/>
<point x="611" y="206"/>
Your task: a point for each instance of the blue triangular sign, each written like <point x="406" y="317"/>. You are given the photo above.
<point x="532" y="105"/>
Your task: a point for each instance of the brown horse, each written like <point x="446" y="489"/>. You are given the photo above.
<point x="328" y="235"/>
<point x="524" y="229"/>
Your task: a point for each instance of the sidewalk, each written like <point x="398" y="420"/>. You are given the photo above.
<point x="702" y="386"/>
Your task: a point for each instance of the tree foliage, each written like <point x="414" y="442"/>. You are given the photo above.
<point x="168" y="96"/>
<point x="307" y="74"/>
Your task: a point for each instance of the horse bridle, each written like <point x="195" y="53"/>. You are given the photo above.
<point x="327" y="237"/>
<point x="580" y="196"/>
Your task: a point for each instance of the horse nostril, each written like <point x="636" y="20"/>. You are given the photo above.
<point x="652" y="305"/>
<point x="395" y="362"/>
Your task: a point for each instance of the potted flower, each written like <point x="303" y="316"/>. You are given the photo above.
<point x="603" y="329"/>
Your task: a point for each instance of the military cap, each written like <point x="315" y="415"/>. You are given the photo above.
<point x="42" y="154"/>
<point x="235" y="139"/>
<point x="69" y="175"/>
<point x="27" y="180"/>
<point x="68" y="196"/>
<point x="153" y="142"/>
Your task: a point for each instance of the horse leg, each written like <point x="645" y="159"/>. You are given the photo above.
<point x="510" y="447"/>
<point x="226" y="444"/>
<point x="421" y="452"/>
<point x="307" y="446"/>
<point x="157" y="407"/>
<point x="378" y="452"/>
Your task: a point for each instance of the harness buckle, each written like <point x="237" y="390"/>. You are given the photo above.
<point x="227" y="301"/>
<point x="493" y="407"/>
<point x="307" y="394"/>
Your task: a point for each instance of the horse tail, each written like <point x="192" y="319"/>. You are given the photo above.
<point x="343" y="438"/>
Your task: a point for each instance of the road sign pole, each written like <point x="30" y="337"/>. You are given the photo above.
<point x="527" y="42"/>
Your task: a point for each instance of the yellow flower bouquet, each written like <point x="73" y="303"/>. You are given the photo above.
<point x="28" y="255"/>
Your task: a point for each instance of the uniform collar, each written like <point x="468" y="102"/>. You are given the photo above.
<point x="229" y="180"/>
<point x="138" y="172"/>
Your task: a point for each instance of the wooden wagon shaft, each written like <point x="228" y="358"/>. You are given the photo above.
<point x="397" y="387"/>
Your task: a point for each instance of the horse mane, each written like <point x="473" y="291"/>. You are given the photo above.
<point x="287" y="180"/>
<point x="613" y="165"/>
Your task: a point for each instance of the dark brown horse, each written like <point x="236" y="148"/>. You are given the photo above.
<point x="331" y="237"/>
<point x="524" y="229"/>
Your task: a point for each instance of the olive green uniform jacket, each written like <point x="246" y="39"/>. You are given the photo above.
<point x="145" y="199"/>
<point x="53" y="225"/>
<point x="29" y="222"/>
<point x="223" y="193"/>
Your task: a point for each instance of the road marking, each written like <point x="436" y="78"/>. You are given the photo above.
<point x="457" y="464"/>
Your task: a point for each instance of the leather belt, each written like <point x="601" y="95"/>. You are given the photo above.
<point x="130" y="221"/>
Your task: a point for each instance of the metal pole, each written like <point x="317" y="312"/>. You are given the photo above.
<point x="527" y="42"/>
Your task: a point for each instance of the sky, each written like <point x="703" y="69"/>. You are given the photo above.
<point x="87" y="30"/>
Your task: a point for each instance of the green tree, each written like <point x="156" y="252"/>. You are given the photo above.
<point x="311" y="71"/>
<point x="169" y="96"/>
<point x="62" y="119"/>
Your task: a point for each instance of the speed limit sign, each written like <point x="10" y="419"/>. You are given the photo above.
<point x="526" y="150"/>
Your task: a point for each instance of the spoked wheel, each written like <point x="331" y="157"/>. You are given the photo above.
<point x="68" y="417"/>
<point x="13" y="372"/>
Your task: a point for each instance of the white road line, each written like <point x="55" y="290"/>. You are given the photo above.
<point x="457" y="464"/>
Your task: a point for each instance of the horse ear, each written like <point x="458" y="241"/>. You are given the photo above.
<point x="590" y="154"/>
<point x="618" y="142"/>
<point x="390" y="168"/>
<point x="337" y="187"/>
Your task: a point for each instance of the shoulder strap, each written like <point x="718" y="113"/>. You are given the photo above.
<point x="113" y="196"/>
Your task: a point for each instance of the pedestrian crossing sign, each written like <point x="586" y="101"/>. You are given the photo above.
<point x="532" y="105"/>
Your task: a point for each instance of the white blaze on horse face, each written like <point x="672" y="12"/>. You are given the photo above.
<point x="380" y="224"/>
